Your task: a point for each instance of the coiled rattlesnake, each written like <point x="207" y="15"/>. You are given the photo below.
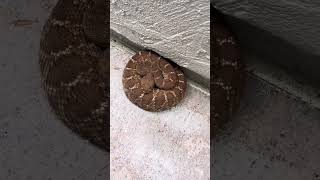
<point x="75" y="66"/>
<point x="152" y="83"/>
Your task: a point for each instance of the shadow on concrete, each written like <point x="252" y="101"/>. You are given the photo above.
<point x="303" y="66"/>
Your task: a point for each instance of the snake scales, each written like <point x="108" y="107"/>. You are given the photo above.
<point x="75" y="67"/>
<point x="227" y="73"/>
<point x="153" y="83"/>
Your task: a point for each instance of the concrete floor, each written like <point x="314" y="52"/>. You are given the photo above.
<point x="273" y="136"/>
<point x="173" y="144"/>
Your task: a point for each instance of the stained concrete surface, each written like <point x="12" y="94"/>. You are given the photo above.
<point x="173" y="144"/>
<point x="34" y="144"/>
<point x="177" y="29"/>
<point x="273" y="136"/>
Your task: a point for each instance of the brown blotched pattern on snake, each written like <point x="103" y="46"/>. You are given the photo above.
<point x="74" y="67"/>
<point x="152" y="83"/>
<point x="227" y="75"/>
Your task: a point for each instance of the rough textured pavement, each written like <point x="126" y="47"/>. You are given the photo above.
<point x="173" y="144"/>
<point x="273" y="136"/>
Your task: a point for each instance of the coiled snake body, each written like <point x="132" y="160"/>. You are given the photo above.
<point x="75" y="69"/>
<point x="227" y="73"/>
<point x="152" y="83"/>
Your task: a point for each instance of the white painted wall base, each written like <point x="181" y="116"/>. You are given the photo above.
<point x="177" y="29"/>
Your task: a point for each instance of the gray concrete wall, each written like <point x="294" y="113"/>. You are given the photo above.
<point x="296" y="21"/>
<point x="177" y="29"/>
<point x="285" y="32"/>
